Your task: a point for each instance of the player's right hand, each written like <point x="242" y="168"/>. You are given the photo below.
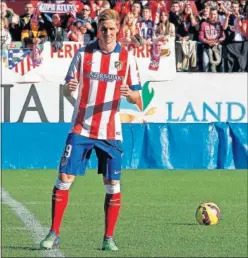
<point x="72" y="84"/>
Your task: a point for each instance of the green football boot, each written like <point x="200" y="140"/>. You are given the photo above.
<point x="51" y="241"/>
<point x="109" y="244"/>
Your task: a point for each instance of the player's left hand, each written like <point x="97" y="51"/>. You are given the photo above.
<point x="125" y="90"/>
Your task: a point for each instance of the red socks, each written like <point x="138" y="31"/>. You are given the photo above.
<point x="111" y="207"/>
<point x="59" y="204"/>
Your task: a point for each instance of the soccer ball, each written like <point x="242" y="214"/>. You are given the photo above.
<point x="207" y="213"/>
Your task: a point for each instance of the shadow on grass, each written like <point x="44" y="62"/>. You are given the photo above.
<point x="21" y="248"/>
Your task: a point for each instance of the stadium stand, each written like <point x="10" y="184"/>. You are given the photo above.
<point x="209" y="35"/>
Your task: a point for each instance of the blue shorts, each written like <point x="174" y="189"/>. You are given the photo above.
<point x="77" y="153"/>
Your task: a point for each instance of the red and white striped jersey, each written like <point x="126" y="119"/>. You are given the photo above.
<point x="96" y="111"/>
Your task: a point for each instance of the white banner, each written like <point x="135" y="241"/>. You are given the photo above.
<point x="189" y="98"/>
<point x="17" y="66"/>
<point x="56" y="8"/>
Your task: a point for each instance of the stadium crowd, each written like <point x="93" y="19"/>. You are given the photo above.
<point x="209" y="35"/>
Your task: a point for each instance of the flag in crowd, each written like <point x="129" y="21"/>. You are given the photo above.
<point x="20" y="60"/>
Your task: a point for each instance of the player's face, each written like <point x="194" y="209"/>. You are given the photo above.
<point x="108" y="31"/>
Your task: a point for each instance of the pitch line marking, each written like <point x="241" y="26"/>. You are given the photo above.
<point x="31" y="224"/>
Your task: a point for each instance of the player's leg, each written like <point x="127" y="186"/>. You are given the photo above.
<point x="60" y="197"/>
<point x="112" y="206"/>
<point x="109" y="162"/>
<point x="73" y="162"/>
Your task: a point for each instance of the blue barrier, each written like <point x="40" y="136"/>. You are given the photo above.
<point x="157" y="146"/>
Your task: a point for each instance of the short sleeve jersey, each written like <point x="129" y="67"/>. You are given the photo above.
<point x="96" y="111"/>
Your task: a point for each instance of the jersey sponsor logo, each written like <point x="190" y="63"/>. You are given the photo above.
<point x="103" y="77"/>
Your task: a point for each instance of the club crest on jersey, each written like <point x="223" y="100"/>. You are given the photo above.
<point x="118" y="65"/>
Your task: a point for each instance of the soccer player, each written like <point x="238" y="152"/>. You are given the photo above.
<point x="104" y="72"/>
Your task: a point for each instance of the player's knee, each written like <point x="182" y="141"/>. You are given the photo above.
<point x="64" y="181"/>
<point x="66" y="178"/>
<point x="112" y="188"/>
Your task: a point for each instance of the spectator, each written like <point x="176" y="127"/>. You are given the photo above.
<point x="6" y="12"/>
<point x="165" y="29"/>
<point x="243" y="8"/>
<point x="234" y="26"/>
<point x="211" y="3"/>
<point x="182" y="4"/>
<point x="89" y="23"/>
<point x="186" y="36"/>
<point x="55" y="30"/>
<point x="77" y="32"/>
<point x="34" y="32"/>
<point x="212" y="35"/>
<point x="136" y="10"/>
<point x="146" y="26"/>
<point x="174" y="14"/>
<point x="18" y="24"/>
<point x="105" y="5"/>
<point x="188" y="25"/>
<point x="223" y="10"/>
<point x="156" y="6"/>
<point x="236" y="52"/>
<point x="95" y="6"/>
<point x="225" y="5"/>
<point x="204" y="14"/>
<point x="14" y="28"/>
<point x="123" y="7"/>
<point x="4" y="32"/>
<point x="128" y="29"/>
<point x="243" y="5"/>
<point x="28" y="11"/>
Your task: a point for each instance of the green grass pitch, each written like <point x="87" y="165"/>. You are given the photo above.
<point x="157" y="217"/>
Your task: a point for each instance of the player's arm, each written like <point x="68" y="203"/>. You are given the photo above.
<point x="72" y="77"/>
<point x="131" y="87"/>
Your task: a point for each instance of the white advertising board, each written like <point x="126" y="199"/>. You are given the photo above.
<point x="189" y="98"/>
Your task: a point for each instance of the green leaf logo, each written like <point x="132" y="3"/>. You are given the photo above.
<point x="147" y="95"/>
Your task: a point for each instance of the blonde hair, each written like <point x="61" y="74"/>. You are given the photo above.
<point x="126" y="25"/>
<point x="109" y="14"/>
